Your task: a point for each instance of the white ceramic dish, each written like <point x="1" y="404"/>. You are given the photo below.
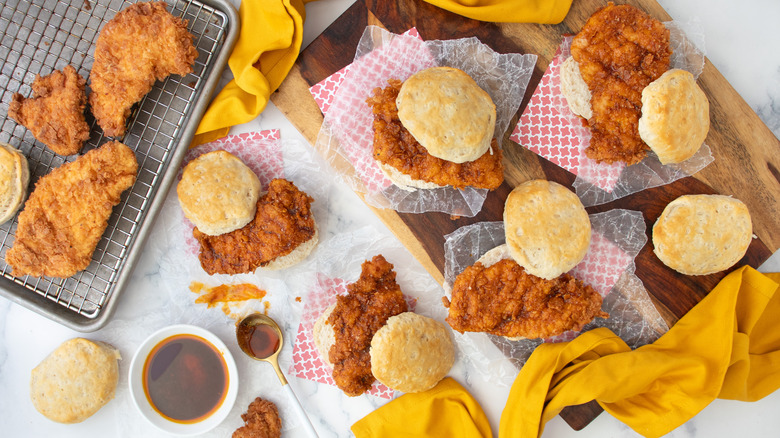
<point x="142" y="402"/>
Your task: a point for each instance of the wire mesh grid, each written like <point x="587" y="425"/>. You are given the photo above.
<point x="40" y="36"/>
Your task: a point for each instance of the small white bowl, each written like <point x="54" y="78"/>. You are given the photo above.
<point x="142" y="402"/>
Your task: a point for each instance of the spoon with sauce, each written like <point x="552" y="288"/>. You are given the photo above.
<point x="261" y="339"/>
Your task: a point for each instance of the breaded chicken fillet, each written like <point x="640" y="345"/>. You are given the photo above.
<point x="55" y="113"/>
<point x="261" y="420"/>
<point x="142" y="44"/>
<point x="66" y="214"/>
<point x="504" y="300"/>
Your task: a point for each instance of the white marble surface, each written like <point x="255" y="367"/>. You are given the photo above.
<point x="741" y="42"/>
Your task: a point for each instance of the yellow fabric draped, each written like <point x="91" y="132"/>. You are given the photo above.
<point x="727" y="346"/>
<point x="446" y="410"/>
<point x="508" y="11"/>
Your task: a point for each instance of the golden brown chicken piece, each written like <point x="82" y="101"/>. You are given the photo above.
<point x="620" y="50"/>
<point x="283" y="221"/>
<point x="369" y="302"/>
<point x="68" y="211"/>
<point x="396" y="147"/>
<point x="142" y="44"/>
<point x="55" y="113"/>
<point x="261" y="420"/>
<point x="505" y="300"/>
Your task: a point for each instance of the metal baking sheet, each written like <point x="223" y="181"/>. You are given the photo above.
<point x="40" y="36"/>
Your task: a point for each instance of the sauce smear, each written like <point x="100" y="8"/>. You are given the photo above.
<point x="185" y="378"/>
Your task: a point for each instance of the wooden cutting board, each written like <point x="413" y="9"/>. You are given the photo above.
<point x="746" y="152"/>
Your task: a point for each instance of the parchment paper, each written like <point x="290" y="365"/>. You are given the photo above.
<point x="617" y="237"/>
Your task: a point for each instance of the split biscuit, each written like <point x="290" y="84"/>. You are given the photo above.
<point x="324" y="336"/>
<point x="447" y="113"/>
<point x="547" y="228"/>
<point x="14" y="179"/>
<point x="218" y="193"/>
<point x="75" y="380"/>
<point x="574" y="89"/>
<point x="702" y="234"/>
<point x="675" y="116"/>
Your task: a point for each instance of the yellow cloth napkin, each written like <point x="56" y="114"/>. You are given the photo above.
<point x="727" y="346"/>
<point x="268" y="45"/>
<point x="508" y="11"/>
<point x="270" y="40"/>
<point x="446" y="410"/>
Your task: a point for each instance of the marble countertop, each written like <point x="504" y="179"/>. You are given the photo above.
<point x="740" y="41"/>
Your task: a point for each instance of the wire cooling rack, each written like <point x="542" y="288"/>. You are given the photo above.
<point x="40" y="36"/>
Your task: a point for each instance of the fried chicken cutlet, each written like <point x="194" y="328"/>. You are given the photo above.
<point x="396" y="147"/>
<point x="68" y="211"/>
<point x="142" y="44"/>
<point x="357" y="316"/>
<point x="261" y="420"/>
<point x="55" y="113"/>
<point x="505" y="300"/>
<point x="620" y="50"/>
<point x="283" y="221"/>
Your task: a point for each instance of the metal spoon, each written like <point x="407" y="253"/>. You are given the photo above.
<point x="244" y="330"/>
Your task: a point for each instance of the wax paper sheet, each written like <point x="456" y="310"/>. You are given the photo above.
<point x="617" y="237"/>
<point x="338" y="265"/>
<point x="172" y="249"/>
<point x="549" y="128"/>
<point x="346" y="136"/>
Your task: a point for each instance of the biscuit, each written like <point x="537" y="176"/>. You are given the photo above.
<point x="702" y="234"/>
<point x="324" y="336"/>
<point x="75" y="380"/>
<point x="574" y="89"/>
<point x="296" y="256"/>
<point x="675" y="116"/>
<point x="547" y="229"/>
<point x="14" y="179"/>
<point x="218" y="193"/>
<point x="411" y="352"/>
<point x="447" y="113"/>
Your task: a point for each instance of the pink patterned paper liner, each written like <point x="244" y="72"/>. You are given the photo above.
<point x="260" y="150"/>
<point x="350" y="118"/>
<point x="548" y="128"/>
<point x="601" y="269"/>
<point x="307" y="363"/>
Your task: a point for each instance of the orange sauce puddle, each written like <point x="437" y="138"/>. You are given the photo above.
<point x="225" y="294"/>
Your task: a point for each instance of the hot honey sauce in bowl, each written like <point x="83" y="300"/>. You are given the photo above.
<point x="183" y="380"/>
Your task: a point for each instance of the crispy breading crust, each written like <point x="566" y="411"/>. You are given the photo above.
<point x="55" y="113"/>
<point x="504" y="300"/>
<point x="142" y="44"/>
<point x="261" y="420"/>
<point x="66" y="214"/>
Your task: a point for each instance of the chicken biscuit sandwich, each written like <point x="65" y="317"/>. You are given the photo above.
<point x="436" y="129"/>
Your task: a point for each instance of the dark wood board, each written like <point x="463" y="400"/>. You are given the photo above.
<point x="747" y="154"/>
